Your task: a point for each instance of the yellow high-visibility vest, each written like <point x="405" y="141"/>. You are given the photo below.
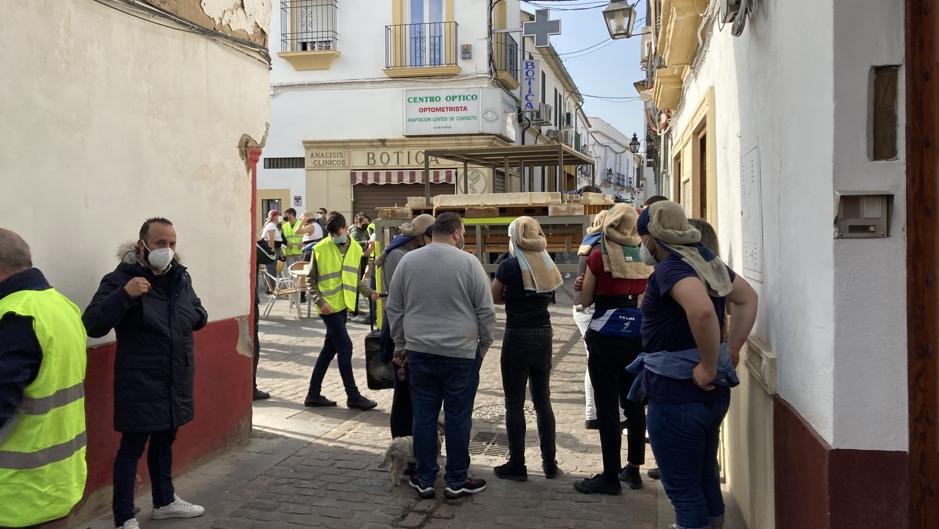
<point x="291" y="236"/>
<point x="338" y="276"/>
<point x="42" y="447"/>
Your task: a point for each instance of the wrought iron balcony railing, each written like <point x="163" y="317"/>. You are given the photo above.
<point x="426" y="45"/>
<point x="505" y="54"/>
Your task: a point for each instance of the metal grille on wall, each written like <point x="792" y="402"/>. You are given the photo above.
<point x="409" y="176"/>
<point x="308" y="25"/>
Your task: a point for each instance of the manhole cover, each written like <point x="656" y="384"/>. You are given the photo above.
<point x="489" y="444"/>
<point x="495" y="414"/>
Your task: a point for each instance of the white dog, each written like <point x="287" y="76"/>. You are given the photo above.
<point x="400" y="454"/>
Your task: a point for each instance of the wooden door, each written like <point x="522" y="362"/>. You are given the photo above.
<point x="923" y="258"/>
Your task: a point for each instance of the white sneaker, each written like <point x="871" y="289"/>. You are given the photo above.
<point x="178" y="509"/>
<point x="130" y="524"/>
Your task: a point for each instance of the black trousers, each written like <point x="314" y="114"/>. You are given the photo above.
<point x="257" y="340"/>
<point x="402" y="412"/>
<point x="159" y="463"/>
<point x="526" y="358"/>
<point x="607" y="363"/>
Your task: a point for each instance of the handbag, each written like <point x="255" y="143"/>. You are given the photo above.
<point x="264" y="253"/>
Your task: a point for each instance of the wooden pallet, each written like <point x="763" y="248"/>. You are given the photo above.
<point x="534" y="210"/>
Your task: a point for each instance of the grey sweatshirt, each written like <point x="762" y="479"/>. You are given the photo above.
<point x="440" y="303"/>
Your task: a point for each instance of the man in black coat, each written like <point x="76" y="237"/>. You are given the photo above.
<point x="149" y="302"/>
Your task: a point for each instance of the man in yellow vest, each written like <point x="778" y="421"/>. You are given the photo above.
<point x="293" y="248"/>
<point x="334" y="281"/>
<point x="42" y="396"/>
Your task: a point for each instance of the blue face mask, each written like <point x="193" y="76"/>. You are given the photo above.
<point x="340" y="239"/>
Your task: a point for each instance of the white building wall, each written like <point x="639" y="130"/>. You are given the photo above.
<point x="361" y="42"/>
<point x="354" y="99"/>
<point x="771" y="61"/>
<point x="870" y="274"/>
<point x="95" y="152"/>
<point x="610" y="148"/>
<point x="795" y="88"/>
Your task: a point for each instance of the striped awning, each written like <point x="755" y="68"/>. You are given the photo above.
<point x="403" y="176"/>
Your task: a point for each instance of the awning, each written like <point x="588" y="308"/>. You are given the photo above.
<point x="406" y="176"/>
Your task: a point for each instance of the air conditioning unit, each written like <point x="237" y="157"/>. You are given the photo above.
<point x="569" y="138"/>
<point x="553" y="134"/>
<point x="542" y="116"/>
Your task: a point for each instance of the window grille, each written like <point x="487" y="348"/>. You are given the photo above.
<point x="284" y="163"/>
<point x="308" y="25"/>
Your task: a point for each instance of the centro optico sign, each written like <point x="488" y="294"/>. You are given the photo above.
<point x="445" y="111"/>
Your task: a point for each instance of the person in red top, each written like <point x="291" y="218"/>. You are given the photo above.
<point x="614" y="282"/>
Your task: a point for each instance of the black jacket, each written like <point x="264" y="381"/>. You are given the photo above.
<point x="153" y="369"/>
<point x="20" y="352"/>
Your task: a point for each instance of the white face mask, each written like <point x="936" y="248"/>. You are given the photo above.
<point x="647" y="256"/>
<point x="160" y="258"/>
<point x="511" y="248"/>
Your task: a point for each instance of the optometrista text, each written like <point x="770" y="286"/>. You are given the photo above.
<point x="443" y="109"/>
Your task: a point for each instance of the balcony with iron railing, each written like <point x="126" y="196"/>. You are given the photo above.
<point x="308" y="38"/>
<point x="505" y="60"/>
<point x="421" y="50"/>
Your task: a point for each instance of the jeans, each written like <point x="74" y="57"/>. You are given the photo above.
<point x="526" y="356"/>
<point x="291" y="259"/>
<point x="684" y="440"/>
<point x="453" y="382"/>
<point x="337" y="342"/>
<point x="272" y="267"/>
<point x="159" y="463"/>
<point x="607" y="361"/>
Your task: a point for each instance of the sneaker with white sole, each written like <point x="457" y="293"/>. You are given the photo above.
<point x="178" y="509"/>
<point x="424" y="492"/>
<point x="130" y="524"/>
<point x="470" y="486"/>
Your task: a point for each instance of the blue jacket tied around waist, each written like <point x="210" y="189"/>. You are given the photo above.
<point x="680" y="365"/>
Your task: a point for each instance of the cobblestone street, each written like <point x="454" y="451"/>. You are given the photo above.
<point x="320" y="467"/>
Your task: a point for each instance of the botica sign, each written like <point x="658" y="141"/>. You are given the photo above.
<point x="396" y="158"/>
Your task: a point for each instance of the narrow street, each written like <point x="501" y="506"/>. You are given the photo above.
<point x="320" y="467"/>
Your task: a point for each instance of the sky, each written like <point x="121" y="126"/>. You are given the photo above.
<point x="606" y="70"/>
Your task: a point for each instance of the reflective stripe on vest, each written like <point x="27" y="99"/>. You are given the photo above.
<point x="39" y="406"/>
<point x="42" y="449"/>
<point x="53" y="454"/>
<point x="290" y="236"/>
<point x="338" y="275"/>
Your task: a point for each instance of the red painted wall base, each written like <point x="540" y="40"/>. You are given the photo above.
<point x="823" y="488"/>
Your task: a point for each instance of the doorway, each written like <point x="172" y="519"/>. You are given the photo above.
<point x="922" y="39"/>
<point x="427" y="32"/>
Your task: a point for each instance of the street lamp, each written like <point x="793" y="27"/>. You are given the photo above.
<point x="634" y="144"/>
<point x="620" y="18"/>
